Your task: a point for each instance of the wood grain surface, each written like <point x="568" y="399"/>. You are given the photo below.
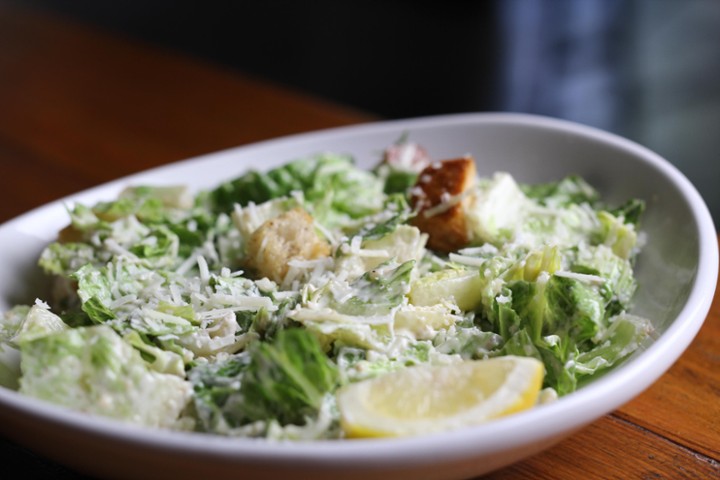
<point x="79" y="107"/>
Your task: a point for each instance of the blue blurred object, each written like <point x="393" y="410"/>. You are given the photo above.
<point x="646" y="69"/>
<point x="563" y="58"/>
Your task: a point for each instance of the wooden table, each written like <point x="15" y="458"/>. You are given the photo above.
<point x="79" y="107"/>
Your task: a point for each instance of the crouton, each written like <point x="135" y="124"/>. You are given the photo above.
<point x="290" y="235"/>
<point x="438" y="197"/>
<point x="70" y="234"/>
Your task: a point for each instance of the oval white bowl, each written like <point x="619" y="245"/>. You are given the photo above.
<point x="677" y="273"/>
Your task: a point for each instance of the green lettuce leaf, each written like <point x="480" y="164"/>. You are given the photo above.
<point x="283" y="381"/>
<point x="93" y="370"/>
<point x="335" y="190"/>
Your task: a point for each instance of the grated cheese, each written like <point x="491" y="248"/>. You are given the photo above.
<point x="581" y="277"/>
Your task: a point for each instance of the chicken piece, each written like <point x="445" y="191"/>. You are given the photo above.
<point x="438" y="197"/>
<point x="290" y="235"/>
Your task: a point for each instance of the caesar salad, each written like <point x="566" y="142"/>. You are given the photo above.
<point x="267" y="305"/>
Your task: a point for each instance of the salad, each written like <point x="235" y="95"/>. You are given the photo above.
<point x="242" y="310"/>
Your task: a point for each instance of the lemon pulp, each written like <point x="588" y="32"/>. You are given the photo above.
<point x="424" y="398"/>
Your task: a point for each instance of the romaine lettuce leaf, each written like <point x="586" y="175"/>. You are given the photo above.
<point x="335" y="191"/>
<point x="564" y="322"/>
<point x="285" y="381"/>
<point x="93" y="370"/>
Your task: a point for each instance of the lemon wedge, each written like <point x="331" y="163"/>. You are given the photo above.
<point x="424" y="399"/>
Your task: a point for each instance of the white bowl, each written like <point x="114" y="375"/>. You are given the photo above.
<point x="677" y="273"/>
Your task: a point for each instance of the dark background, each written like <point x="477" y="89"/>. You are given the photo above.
<point x="648" y="70"/>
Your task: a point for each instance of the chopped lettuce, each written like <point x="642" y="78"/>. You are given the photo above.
<point x="560" y="320"/>
<point x="335" y="191"/>
<point x="93" y="370"/>
<point x="571" y="190"/>
<point x="284" y="381"/>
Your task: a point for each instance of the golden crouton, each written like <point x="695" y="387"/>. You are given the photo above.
<point x="70" y="234"/>
<point x="290" y="235"/>
<point x="438" y="196"/>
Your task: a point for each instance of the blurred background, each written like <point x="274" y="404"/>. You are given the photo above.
<point x="648" y="70"/>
